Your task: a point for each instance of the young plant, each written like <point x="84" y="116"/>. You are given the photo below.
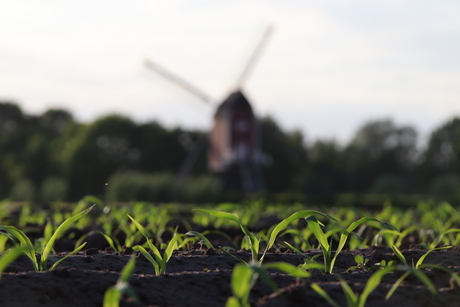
<point x="415" y="269"/>
<point x="244" y="278"/>
<point x="254" y="243"/>
<point x="9" y="257"/>
<point x="361" y="263"/>
<point x="420" y="261"/>
<point x="201" y="237"/>
<point x="159" y="263"/>
<point x="24" y="241"/>
<point x="113" y="294"/>
<point x="326" y="247"/>
<point x="354" y="300"/>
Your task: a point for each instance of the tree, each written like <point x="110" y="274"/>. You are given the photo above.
<point x="325" y="175"/>
<point x="442" y="155"/>
<point x="90" y="154"/>
<point x="380" y="148"/>
<point x="288" y="154"/>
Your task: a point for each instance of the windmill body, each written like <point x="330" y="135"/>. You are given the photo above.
<point x="234" y="149"/>
<point x="234" y="144"/>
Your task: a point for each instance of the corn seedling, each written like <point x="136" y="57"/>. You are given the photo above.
<point x="113" y="242"/>
<point x="24" y="241"/>
<point x="361" y="263"/>
<point x="113" y="294"/>
<point x="254" y="243"/>
<point x="201" y="237"/>
<point x="326" y="247"/>
<point x="354" y="300"/>
<point x="9" y="257"/>
<point x="244" y="278"/>
<point x="419" y="262"/>
<point x="159" y="263"/>
<point x="415" y="269"/>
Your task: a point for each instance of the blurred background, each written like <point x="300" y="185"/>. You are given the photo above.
<point x="357" y="100"/>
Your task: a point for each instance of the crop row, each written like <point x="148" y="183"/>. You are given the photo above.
<point x="155" y="232"/>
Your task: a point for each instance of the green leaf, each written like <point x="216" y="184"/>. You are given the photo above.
<point x="202" y="237"/>
<point x="351" y="228"/>
<point x="110" y="242"/>
<point x="139" y="226"/>
<point x="372" y="283"/>
<point x="10" y="256"/>
<point x="420" y="261"/>
<point x="323" y="294"/>
<point x="396" y="285"/>
<point x="149" y="258"/>
<point x="295" y="216"/>
<point x="254" y="242"/>
<point x="70" y="254"/>
<point x="313" y="223"/>
<point x="112" y="297"/>
<point x="172" y="245"/>
<point x="232" y="302"/>
<point x="423" y="278"/>
<point x="399" y="255"/>
<point x="288" y="268"/>
<point x="128" y="269"/>
<point x="57" y="234"/>
<point x="242" y="281"/>
<point x="352" y="299"/>
<point x="24" y="241"/>
<point x="359" y="259"/>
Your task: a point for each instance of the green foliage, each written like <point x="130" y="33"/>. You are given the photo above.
<point x="244" y="277"/>
<point x="159" y="263"/>
<point x="113" y="294"/>
<point x="9" y="257"/>
<point x="326" y="247"/>
<point x="24" y="241"/>
<point x="354" y="300"/>
<point x="162" y="187"/>
<point x="136" y="186"/>
<point x="54" y="189"/>
<point x="23" y="190"/>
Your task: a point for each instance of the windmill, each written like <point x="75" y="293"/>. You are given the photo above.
<point x="234" y="151"/>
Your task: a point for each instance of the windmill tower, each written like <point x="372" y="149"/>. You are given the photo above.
<point x="234" y="151"/>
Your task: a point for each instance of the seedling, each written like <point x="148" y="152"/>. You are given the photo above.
<point x="419" y="262"/>
<point x="361" y="263"/>
<point x="9" y="257"/>
<point x="354" y="300"/>
<point x="24" y="241"/>
<point x="326" y="247"/>
<point x="113" y="294"/>
<point x="254" y="243"/>
<point x="159" y="263"/>
<point x="245" y="276"/>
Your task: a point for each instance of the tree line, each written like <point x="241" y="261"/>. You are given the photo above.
<point x="52" y="156"/>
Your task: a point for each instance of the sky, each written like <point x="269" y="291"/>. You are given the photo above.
<point x="329" y="67"/>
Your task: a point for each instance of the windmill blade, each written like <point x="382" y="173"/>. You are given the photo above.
<point x="178" y="81"/>
<point x="255" y="56"/>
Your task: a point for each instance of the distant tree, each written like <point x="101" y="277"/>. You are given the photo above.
<point x="288" y="154"/>
<point x="13" y="136"/>
<point x="90" y="154"/>
<point x="442" y="155"/>
<point x="325" y="175"/>
<point x="380" y="148"/>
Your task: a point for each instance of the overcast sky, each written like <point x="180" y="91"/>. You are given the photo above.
<point x="329" y="67"/>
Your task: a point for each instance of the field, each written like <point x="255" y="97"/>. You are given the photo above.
<point x="250" y="254"/>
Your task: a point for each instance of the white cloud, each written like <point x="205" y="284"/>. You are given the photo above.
<point x="324" y="55"/>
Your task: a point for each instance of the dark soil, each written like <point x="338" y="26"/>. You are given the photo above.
<point x="202" y="278"/>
